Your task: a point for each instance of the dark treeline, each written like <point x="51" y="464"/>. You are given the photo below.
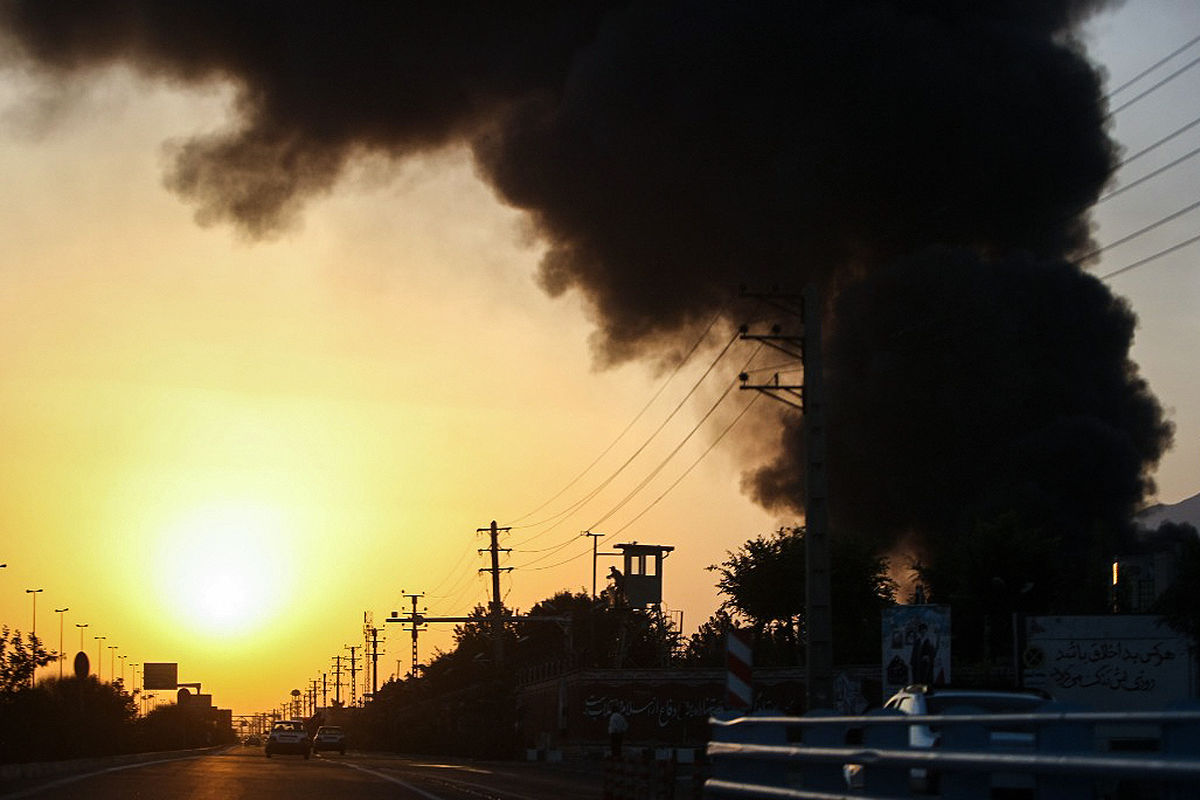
<point x="81" y="718"/>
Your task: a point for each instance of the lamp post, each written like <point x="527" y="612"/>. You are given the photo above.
<point x="99" y="642"/>
<point x="81" y="626"/>
<point x="132" y="674"/>
<point x="35" y="593"/>
<point x="112" y="663"/>
<point x="122" y="658"/>
<point x="61" y="616"/>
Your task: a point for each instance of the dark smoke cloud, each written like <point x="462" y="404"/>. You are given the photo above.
<point x="932" y="160"/>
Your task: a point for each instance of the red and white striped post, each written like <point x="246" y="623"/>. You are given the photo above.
<point x="739" y="657"/>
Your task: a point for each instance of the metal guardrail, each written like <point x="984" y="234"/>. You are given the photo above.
<point x="1073" y="754"/>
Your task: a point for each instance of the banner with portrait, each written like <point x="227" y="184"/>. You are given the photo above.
<point x="916" y="646"/>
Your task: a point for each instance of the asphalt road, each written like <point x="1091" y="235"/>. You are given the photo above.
<point x="244" y="773"/>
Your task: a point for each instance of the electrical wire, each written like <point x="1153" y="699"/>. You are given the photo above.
<point x="1153" y="67"/>
<point x="575" y="557"/>
<point x="1155" y="87"/>
<point x="686" y="358"/>
<point x="603" y="485"/>
<point x="1152" y="147"/>
<point x="1129" y="237"/>
<point x="678" y="447"/>
<point x="1149" y="175"/>
<point x="551" y="551"/>
<point x="453" y="570"/>
<point x="1148" y="259"/>
<point x="692" y="466"/>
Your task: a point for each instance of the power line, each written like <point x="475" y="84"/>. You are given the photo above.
<point x="692" y="466"/>
<point x="678" y="447"/>
<point x="1156" y="224"/>
<point x="575" y="557"/>
<point x="1148" y="259"/>
<point x="1149" y="175"/>
<point x="687" y="357"/>
<point x="1154" y="87"/>
<point x="551" y="551"/>
<point x="1152" y="147"/>
<point x="580" y="503"/>
<point x="1153" y="67"/>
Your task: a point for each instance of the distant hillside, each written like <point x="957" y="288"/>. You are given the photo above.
<point x="1184" y="511"/>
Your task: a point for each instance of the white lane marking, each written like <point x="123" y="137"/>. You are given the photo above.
<point x="392" y="779"/>
<point x="490" y="789"/>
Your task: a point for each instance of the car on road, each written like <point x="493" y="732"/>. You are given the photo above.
<point x="921" y="700"/>
<point x="329" y="737"/>
<point x="288" y="736"/>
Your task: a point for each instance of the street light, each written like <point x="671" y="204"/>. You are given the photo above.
<point x="98" y="639"/>
<point x="35" y="593"/>
<point x="122" y="657"/>
<point x="112" y="663"/>
<point x="133" y="675"/>
<point x="61" y="616"/>
<point x="81" y="626"/>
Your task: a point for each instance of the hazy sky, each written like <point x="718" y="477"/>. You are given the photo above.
<point x="222" y="453"/>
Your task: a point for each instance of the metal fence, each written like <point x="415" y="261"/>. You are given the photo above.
<point x="1071" y="754"/>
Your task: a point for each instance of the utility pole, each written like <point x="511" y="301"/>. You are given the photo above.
<point x="497" y="606"/>
<point x="337" y="686"/>
<point x="324" y="691"/>
<point x="372" y="634"/>
<point x="595" y="555"/>
<point x="416" y="627"/>
<point x="809" y="398"/>
<point x="353" y="672"/>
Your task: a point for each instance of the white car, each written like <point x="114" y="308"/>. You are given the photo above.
<point x="288" y="736"/>
<point x="920" y="700"/>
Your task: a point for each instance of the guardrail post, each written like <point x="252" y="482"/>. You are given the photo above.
<point x="819" y="776"/>
<point x="961" y="785"/>
<point x="1062" y="738"/>
<point x="880" y="780"/>
<point x="1181" y="739"/>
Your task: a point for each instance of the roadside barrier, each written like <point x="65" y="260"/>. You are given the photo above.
<point x="1074" y="754"/>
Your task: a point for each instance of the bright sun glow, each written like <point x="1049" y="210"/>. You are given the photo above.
<point x="223" y="567"/>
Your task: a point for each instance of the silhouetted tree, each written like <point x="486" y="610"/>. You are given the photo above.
<point x="764" y="586"/>
<point x="19" y="659"/>
<point x="1178" y="602"/>
<point x="1004" y="565"/>
<point x="706" y="647"/>
<point x="69" y="718"/>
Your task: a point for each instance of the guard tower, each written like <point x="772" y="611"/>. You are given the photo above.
<point x="642" y="581"/>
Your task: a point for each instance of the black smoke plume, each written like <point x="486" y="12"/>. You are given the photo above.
<point x="930" y="161"/>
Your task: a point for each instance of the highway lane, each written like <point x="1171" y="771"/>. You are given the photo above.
<point x="243" y="773"/>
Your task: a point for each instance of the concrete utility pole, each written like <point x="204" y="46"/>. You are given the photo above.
<point x="809" y="398"/>
<point x="497" y="606"/>
<point x="818" y="584"/>
<point x="353" y="672"/>
<point x="337" y="685"/>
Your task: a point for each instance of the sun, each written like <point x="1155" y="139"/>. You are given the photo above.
<point x="222" y="567"/>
